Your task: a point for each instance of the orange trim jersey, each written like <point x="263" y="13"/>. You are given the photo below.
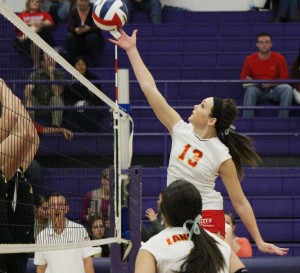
<point x="197" y="161"/>
<point x="171" y="246"/>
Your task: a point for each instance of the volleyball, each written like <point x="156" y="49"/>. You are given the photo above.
<point x="109" y="14"/>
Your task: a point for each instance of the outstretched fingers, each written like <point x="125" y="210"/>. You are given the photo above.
<point x="126" y="42"/>
<point x="272" y="249"/>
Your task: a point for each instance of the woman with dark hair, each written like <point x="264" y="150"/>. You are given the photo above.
<point x="78" y="95"/>
<point x="41" y="214"/>
<point x="203" y="149"/>
<point x="184" y="246"/>
<point x="97" y="230"/>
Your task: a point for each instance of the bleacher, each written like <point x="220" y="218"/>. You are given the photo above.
<point x="185" y="49"/>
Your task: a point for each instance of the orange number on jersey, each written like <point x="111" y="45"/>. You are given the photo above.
<point x="196" y="156"/>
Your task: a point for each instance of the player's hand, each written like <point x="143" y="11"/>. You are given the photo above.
<point x="126" y="42"/>
<point x="151" y="214"/>
<point x="272" y="249"/>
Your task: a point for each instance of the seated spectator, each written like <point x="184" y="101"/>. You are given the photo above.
<point x="155" y="218"/>
<point x="40" y="22"/>
<point x="97" y="230"/>
<point x="288" y="9"/>
<point x="96" y="202"/>
<point x="153" y="7"/>
<point x="266" y="65"/>
<point x="77" y="94"/>
<point x="240" y="245"/>
<point x="37" y="94"/>
<point x="41" y="214"/>
<point x="84" y="37"/>
<point x="59" y="9"/>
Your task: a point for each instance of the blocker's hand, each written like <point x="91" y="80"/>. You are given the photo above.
<point x="272" y="249"/>
<point x="126" y="42"/>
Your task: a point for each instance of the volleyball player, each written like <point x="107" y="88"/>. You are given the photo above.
<point x="203" y="149"/>
<point x="184" y="246"/>
<point x="18" y="145"/>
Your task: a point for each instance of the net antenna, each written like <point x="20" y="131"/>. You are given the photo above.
<point x="123" y="151"/>
<point x="18" y="23"/>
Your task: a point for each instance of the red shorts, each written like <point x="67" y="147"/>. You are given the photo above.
<point x="213" y="221"/>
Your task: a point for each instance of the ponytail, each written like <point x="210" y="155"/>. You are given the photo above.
<point x="205" y="256"/>
<point x="240" y="146"/>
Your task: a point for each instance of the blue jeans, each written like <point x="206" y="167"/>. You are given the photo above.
<point x="289" y="6"/>
<point x="153" y="7"/>
<point x="282" y="93"/>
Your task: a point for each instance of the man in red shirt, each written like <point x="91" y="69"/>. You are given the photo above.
<point x="266" y="65"/>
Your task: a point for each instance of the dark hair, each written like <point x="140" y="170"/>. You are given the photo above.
<point x="240" y="146"/>
<point x="231" y="217"/>
<point x="81" y="58"/>
<point x="58" y="194"/>
<point x="229" y="214"/>
<point x="39" y="199"/>
<point x="90" y="223"/>
<point x="263" y="34"/>
<point x="182" y="201"/>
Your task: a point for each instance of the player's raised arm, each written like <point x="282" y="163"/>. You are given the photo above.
<point x="165" y="113"/>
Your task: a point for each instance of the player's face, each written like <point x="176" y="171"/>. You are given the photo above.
<point x="98" y="229"/>
<point x="264" y="44"/>
<point x="201" y="113"/>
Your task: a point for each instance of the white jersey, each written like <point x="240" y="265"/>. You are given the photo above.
<point x="197" y="161"/>
<point x="65" y="260"/>
<point x="171" y="246"/>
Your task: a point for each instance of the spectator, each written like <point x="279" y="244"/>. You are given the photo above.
<point x="184" y="246"/>
<point x="266" y="65"/>
<point x="41" y="211"/>
<point x="40" y="22"/>
<point x="83" y="35"/>
<point x="155" y="218"/>
<point x="290" y="8"/>
<point x="98" y="230"/>
<point x="240" y="245"/>
<point x="96" y="202"/>
<point x="153" y="7"/>
<point x="77" y="94"/>
<point x="37" y="94"/>
<point x="62" y="231"/>
<point x="59" y="9"/>
<point x="19" y="143"/>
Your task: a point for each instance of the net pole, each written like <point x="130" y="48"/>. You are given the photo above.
<point x="117" y="135"/>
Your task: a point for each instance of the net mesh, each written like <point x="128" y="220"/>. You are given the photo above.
<point x="76" y="124"/>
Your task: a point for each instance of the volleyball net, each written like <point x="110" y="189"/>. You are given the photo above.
<point x="79" y="136"/>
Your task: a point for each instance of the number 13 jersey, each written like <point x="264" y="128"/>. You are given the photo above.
<point x="197" y="161"/>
